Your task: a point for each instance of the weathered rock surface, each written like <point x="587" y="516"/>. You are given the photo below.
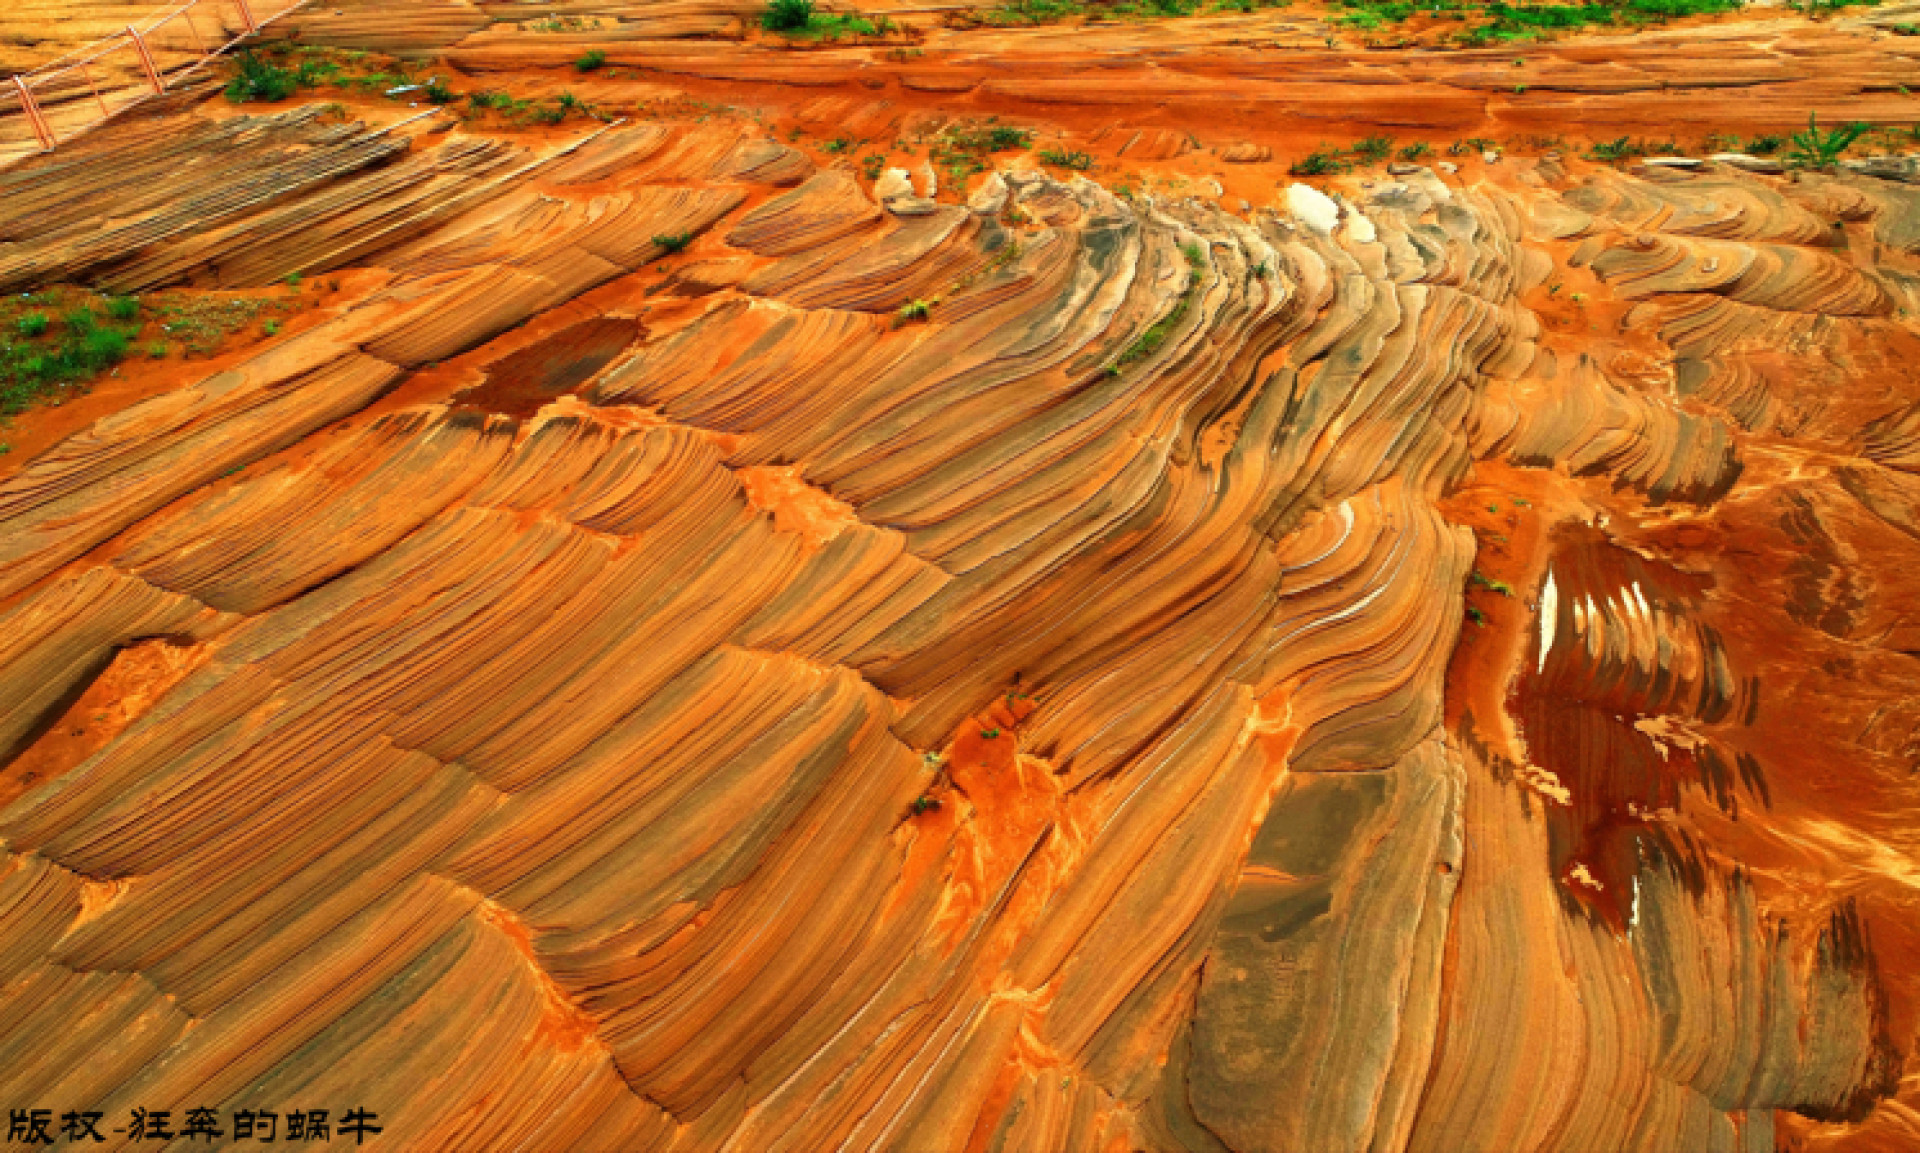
<point x="1421" y="665"/>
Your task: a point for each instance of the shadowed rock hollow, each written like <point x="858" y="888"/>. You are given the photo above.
<point x="1029" y="662"/>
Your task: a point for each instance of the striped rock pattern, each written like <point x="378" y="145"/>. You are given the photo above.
<point x="554" y="774"/>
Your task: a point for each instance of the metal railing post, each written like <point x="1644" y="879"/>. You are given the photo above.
<point x="40" y="127"/>
<point x="146" y="62"/>
<point x="246" y="16"/>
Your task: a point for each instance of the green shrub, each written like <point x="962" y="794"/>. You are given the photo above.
<point x="100" y="349"/>
<point x="123" y="307"/>
<point x="437" y="92"/>
<point x="787" y="15"/>
<point x="1321" y="161"/>
<point x="677" y="242"/>
<point x="32" y="324"/>
<point x="1078" y="161"/>
<point x="260" y="79"/>
<point x="1615" y="150"/>
<point x="157" y="350"/>
<point x="594" y="59"/>
<point x="1373" y="149"/>
<point x="1418" y="150"/>
<point x="1822" y="150"/>
<point x="916" y="310"/>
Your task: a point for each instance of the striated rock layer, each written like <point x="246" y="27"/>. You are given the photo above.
<point x="1071" y="672"/>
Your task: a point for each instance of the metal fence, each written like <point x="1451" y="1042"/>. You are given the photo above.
<point x="63" y="98"/>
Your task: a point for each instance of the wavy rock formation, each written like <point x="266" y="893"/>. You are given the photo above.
<point x="1030" y="674"/>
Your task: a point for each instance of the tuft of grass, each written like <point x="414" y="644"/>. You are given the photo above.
<point x="1372" y="149"/>
<point x="50" y="358"/>
<point x="1479" y="579"/>
<point x="1418" y="150"/>
<point x="916" y="310"/>
<point x="675" y="242"/>
<point x="271" y="328"/>
<point x="258" y="78"/>
<point x="1078" y="161"/>
<point x="787" y="15"/>
<point x="123" y="307"/>
<point x="1616" y="150"/>
<point x="1820" y="150"/>
<point x="437" y="92"/>
<point x="157" y="350"/>
<point x="592" y="61"/>
<point x="1322" y="161"/>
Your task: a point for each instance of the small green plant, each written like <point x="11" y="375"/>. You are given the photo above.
<point x="79" y="320"/>
<point x="1078" y="161"/>
<point x="1615" y="150"/>
<point x="32" y="324"/>
<point x="1822" y="150"/>
<point x="787" y="15"/>
<point x="677" y="242"/>
<point x="102" y="348"/>
<point x="1261" y="271"/>
<point x="1476" y="616"/>
<point x="1469" y="145"/>
<point x="1321" y="161"/>
<point x="271" y="328"/>
<point x="123" y="307"/>
<point x="437" y="92"/>
<point x="871" y="166"/>
<point x="157" y="350"/>
<point x="837" y="145"/>
<point x="1418" y="150"/>
<point x="260" y="79"/>
<point x="990" y="734"/>
<point x="1481" y="580"/>
<point x="923" y="805"/>
<point x="1766" y="145"/>
<point x="292" y="280"/>
<point x="916" y="310"/>
<point x="593" y="61"/>
<point x="1373" y="149"/>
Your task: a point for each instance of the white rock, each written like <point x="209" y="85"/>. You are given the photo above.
<point x="893" y="182"/>
<point x="1313" y="208"/>
<point x="990" y="197"/>
<point x="1746" y="163"/>
<point x="1671" y="162"/>
<point x="1360" y="229"/>
<point x="1448" y="167"/>
<point x="911" y="206"/>
<point x="1490" y="156"/>
<point x="1401" y="168"/>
